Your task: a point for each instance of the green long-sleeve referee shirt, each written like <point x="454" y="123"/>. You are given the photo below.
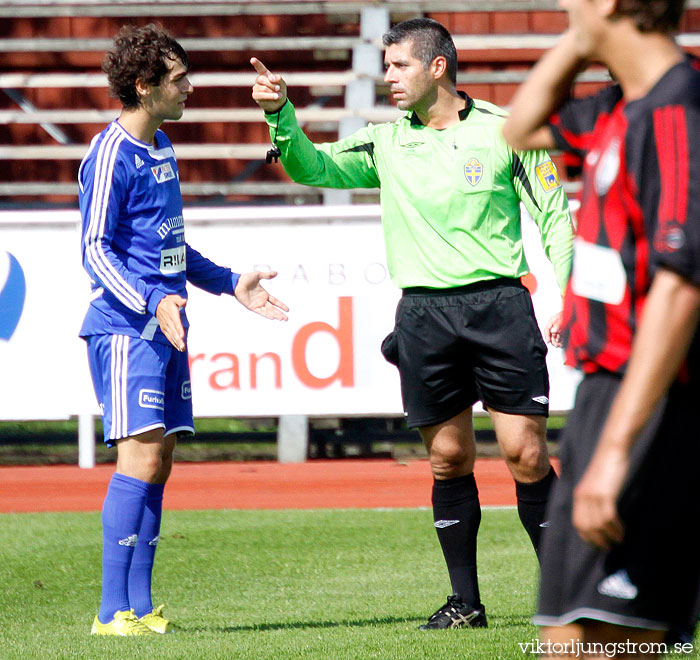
<point x="450" y="198"/>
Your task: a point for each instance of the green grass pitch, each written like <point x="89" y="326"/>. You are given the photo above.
<point x="326" y="585"/>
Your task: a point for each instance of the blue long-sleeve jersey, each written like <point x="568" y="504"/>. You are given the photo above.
<point x="133" y="235"/>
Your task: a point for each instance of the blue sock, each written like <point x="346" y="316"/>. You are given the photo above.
<point x="145" y="552"/>
<point x="122" y="513"/>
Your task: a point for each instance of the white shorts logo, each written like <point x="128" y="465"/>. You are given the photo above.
<point x="618" y="585"/>
<point x="441" y="524"/>
<point x="186" y="390"/>
<point x="163" y="172"/>
<point x="152" y="399"/>
<point x="173" y="260"/>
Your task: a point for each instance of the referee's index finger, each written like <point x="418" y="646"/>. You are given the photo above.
<point x="259" y="66"/>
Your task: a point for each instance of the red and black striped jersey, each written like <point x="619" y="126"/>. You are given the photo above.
<point x="640" y="209"/>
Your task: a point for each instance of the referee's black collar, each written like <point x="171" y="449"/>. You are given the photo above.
<point x="463" y="113"/>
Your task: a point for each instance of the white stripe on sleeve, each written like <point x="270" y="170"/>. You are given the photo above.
<point x="104" y="169"/>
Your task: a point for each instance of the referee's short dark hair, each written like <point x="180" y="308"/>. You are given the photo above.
<point x="429" y="40"/>
<point x="652" y="15"/>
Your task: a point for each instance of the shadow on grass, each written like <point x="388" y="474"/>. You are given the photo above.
<point x="495" y="622"/>
<point x="301" y="625"/>
<point x="510" y="621"/>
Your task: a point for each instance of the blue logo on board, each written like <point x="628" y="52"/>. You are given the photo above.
<point x="12" y="294"/>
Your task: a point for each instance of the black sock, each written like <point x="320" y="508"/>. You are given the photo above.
<point x="457" y="515"/>
<point x="532" y="505"/>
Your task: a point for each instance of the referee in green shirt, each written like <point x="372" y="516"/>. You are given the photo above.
<point x="465" y="330"/>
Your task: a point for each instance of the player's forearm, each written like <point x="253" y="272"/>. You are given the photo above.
<point x="558" y="243"/>
<point x="110" y="273"/>
<point x="551" y="215"/>
<point x="207" y="275"/>
<point x="545" y="89"/>
<point x="562" y="256"/>
<point x="668" y="325"/>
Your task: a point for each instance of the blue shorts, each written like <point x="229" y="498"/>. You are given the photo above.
<point x="140" y="385"/>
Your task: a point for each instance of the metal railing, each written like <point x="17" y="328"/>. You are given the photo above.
<point x="55" y="8"/>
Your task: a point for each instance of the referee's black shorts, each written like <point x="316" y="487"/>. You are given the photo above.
<point x="454" y="347"/>
<point x="652" y="579"/>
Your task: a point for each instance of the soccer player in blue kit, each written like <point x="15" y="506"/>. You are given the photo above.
<point x="134" y="249"/>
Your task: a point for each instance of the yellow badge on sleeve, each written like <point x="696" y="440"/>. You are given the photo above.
<point x="547" y="176"/>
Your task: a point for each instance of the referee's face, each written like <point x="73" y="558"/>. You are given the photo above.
<point x="411" y="84"/>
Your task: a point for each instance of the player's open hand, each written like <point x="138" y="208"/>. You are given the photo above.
<point x="269" y="90"/>
<point x="251" y="294"/>
<point x="552" y="331"/>
<point x="595" y="515"/>
<point x="168" y="315"/>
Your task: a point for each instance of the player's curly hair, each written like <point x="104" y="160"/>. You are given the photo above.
<point x="652" y="15"/>
<point x="139" y="53"/>
<point x="429" y="39"/>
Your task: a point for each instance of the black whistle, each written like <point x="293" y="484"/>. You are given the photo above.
<point x="273" y="154"/>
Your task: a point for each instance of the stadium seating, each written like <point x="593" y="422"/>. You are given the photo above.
<point x="53" y="97"/>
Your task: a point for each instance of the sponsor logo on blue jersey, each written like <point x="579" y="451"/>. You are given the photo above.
<point x="152" y="399"/>
<point x="12" y="294"/>
<point x="173" y="260"/>
<point x="175" y="224"/>
<point x="163" y="172"/>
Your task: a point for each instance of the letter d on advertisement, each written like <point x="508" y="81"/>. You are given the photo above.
<point x="342" y="334"/>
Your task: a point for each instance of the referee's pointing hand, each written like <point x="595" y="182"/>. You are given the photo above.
<point x="269" y="90"/>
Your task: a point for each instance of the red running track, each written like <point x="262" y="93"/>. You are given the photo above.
<point x="317" y="484"/>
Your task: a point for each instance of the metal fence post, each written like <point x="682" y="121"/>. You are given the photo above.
<point x="360" y="94"/>
<point x="293" y="439"/>
<point x="86" y="441"/>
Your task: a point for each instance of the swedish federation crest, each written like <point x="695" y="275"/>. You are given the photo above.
<point x="473" y="171"/>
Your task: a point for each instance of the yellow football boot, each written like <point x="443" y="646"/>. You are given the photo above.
<point x="156" y="622"/>
<point x="124" y="624"/>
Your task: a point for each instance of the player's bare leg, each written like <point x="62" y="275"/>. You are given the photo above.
<point x="595" y="640"/>
<point x="457" y="516"/>
<point x="141" y="456"/>
<point x="522" y="439"/>
<point x="523" y="446"/>
<point x="451" y="446"/>
<point x="561" y="641"/>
